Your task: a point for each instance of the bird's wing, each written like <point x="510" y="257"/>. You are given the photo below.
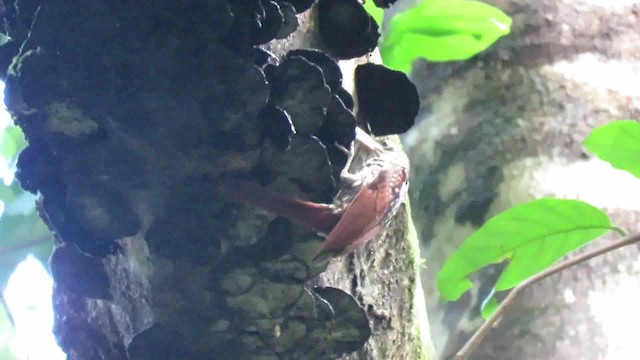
<point x="361" y="219"/>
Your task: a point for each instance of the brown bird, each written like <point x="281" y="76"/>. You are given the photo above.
<point x="360" y="210"/>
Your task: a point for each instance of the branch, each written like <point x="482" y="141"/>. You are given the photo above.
<point x="480" y="334"/>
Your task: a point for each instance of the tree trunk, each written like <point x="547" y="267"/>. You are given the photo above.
<point x="134" y="112"/>
<point x="508" y="127"/>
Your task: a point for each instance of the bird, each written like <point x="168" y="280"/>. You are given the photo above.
<point x="364" y="205"/>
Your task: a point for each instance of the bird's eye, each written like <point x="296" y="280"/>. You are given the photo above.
<point x="387" y="144"/>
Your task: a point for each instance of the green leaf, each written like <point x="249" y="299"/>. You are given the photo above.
<point x="532" y="236"/>
<point x="7" y="147"/>
<point x="376" y="13"/>
<point x="12" y="142"/>
<point x="489" y="306"/>
<point x="441" y="30"/>
<point x="618" y="143"/>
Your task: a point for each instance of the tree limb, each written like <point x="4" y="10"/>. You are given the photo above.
<point x="482" y="332"/>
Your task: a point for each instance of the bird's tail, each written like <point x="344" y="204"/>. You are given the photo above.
<point x="320" y="217"/>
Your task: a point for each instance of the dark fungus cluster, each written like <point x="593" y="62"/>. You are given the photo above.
<point x="133" y="112"/>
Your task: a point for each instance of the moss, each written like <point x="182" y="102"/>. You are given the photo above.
<point x="424" y="348"/>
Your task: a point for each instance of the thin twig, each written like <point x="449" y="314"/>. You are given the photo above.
<point x="480" y="334"/>
<point x="5" y="306"/>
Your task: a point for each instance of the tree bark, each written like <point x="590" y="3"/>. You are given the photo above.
<point x="508" y="127"/>
<point x="134" y="111"/>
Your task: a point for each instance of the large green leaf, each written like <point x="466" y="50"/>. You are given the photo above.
<point x="532" y="236"/>
<point x="441" y="30"/>
<point x="617" y="143"/>
<point x="376" y="13"/>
